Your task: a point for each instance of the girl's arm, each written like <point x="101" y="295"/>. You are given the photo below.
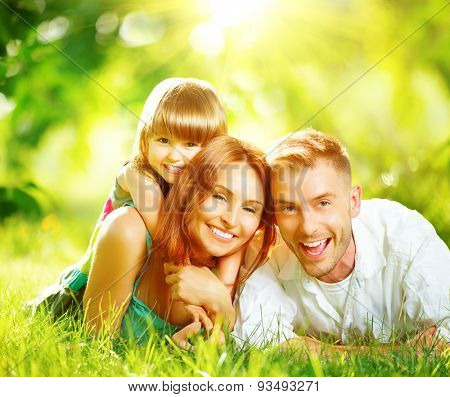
<point x="145" y="193"/>
<point x="228" y="269"/>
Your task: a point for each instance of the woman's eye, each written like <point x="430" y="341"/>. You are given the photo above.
<point x="220" y="197"/>
<point x="287" y="209"/>
<point x="250" y="209"/>
<point x="192" y="144"/>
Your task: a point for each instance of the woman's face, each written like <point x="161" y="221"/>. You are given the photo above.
<point x="230" y="216"/>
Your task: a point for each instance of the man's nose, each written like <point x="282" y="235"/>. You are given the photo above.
<point x="309" y="223"/>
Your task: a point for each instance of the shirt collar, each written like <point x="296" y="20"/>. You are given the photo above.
<point x="369" y="260"/>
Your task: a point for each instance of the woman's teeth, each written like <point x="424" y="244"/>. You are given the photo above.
<point x="220" y="233"/>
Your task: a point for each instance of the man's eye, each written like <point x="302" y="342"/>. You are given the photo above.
<point x="162" y="140"/>
<point x="324" y="203"/>
<point x="192" y="144"/>
<point x="220" y="197"/>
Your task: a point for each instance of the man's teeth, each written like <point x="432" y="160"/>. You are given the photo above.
<point x="220" y="233"/>
<point x="315" y="244"/>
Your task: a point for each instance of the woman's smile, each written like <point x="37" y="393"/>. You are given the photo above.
<point x="220" y="234"/>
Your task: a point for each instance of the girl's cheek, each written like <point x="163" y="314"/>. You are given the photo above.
<point x="192" y="153"/>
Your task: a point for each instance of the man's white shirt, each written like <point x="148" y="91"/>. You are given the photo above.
<point x="400" y="284"/>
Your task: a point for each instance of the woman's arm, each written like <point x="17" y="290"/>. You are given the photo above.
<point x="119" y="254"/>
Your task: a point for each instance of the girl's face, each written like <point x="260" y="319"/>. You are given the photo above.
<point x="230" y="216"/>
<point x="168" y="155"/>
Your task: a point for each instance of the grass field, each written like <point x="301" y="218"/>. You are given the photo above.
<point x="31" y="256"/>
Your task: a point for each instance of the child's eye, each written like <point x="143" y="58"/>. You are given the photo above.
<point x="163" y="140"/>
<point x="192" y="144"/>
<point x="220" y="197"/>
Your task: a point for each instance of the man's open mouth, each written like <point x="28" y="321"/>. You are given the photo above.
<point x="315" y="249"/>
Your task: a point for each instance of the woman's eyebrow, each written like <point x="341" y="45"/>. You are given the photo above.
<point x="282" y="201"/>
<point x="232" y="194"/>
<point x="226" y="189"/>
<point x="255" y="201"/>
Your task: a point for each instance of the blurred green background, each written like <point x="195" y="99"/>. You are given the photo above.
<point x="74" y="75"/>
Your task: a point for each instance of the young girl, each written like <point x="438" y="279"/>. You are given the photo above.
<point x="180" y="116"/>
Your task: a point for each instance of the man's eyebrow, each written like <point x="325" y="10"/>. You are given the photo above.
<point x="323" y="195"/>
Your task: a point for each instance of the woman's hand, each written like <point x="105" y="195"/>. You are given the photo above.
<point x="200" y="287"/>
<point x="182" y="336"/>
<point x="200" y="316"/>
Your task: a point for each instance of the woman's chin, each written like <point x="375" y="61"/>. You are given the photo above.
<point x="217" y="251"/>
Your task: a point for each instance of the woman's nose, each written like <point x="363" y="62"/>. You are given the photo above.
<point x="230" y="217"/>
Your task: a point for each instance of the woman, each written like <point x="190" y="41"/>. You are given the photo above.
<point x="220" y="202"/>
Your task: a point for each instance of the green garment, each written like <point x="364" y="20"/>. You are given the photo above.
<point x="66" y="295"/>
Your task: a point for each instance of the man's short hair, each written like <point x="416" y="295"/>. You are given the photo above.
<point x="305" y="148"/>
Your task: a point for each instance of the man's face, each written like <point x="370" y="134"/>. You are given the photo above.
<point x="314" y="207"/>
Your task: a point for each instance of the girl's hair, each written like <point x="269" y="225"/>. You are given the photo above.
<point x="174" y="239"/>
<point x="184" y="108"/>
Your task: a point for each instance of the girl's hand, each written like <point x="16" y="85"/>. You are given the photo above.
<point x="196" y="286"/>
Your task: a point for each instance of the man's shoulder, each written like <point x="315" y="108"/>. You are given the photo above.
<point x="390" y="214"/>
<point x="393" y="224"/>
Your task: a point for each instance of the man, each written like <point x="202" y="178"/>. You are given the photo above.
<point x="345" y="269"/>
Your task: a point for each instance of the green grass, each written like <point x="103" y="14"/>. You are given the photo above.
<point x="31" y="256"/>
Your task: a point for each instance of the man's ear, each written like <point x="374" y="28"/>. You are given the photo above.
<point x="355" y="200"/>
